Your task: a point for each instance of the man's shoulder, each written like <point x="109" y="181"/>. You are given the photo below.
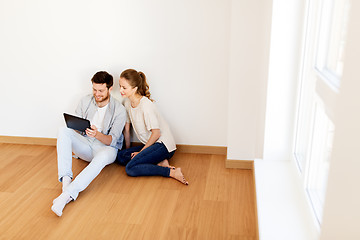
<point x="85" y="101"/>
<point x="115" y="101"/>
<point x="86" y="98"/>
<point x="117" y="104"/>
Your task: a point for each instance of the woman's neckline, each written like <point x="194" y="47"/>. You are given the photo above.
<point x="138" y="103"/>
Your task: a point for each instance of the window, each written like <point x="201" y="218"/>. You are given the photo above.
<point x="322" y="62"/>
<point x="319" y="159"/>
<point x="331" y="40"/>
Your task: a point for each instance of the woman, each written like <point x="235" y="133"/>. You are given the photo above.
<point x="158" y="145"/>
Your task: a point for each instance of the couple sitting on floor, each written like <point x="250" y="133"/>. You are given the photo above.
<point x="110" y="126"/>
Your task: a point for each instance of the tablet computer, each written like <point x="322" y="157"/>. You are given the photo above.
<point x="76" y="123"/>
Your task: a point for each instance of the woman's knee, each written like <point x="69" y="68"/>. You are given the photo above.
<point x="130" y="171"/>
<point x="122" y="158"/>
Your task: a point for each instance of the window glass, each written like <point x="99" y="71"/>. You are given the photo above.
<point x="319" y="159"/>
<point x="332" y="39"/>
<point x="337" y="36"/>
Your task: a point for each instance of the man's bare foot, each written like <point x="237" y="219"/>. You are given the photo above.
<point x="165" y="163"/>
<point x="177" y="174"/>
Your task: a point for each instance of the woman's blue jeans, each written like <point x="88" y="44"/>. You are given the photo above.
<point x="145" y="162"/>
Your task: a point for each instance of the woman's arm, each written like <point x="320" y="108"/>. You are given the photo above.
<point x="155" y="135"/>
<point x="126" y="133"/>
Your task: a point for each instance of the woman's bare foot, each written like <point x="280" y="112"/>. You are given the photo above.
<point x="177" y="174"/>
<point x="165" y="163"/>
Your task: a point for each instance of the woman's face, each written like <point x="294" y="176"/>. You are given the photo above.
<point x="125" y="89"/>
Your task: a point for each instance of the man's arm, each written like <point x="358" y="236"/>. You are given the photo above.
<point x="93" y="132"/>
<point x="79" y="109"/>
<point x="105" y="139"/>
<point x="118" y="125"/>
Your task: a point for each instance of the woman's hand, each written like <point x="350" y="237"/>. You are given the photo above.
<point x="155" y="135"/>
<point x="134" y="154"/>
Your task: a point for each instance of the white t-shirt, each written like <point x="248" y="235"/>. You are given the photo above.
<point x="98" y="119"/>
<point x="145" y="117"/>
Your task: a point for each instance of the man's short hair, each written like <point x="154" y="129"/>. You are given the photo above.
<point x="103" y="77"/>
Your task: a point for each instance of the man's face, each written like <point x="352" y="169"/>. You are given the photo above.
<point x="101" y="92"/>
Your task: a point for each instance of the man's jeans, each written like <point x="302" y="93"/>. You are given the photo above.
<point x="89" y="149"/>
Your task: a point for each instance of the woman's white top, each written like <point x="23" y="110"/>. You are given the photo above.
<point x="145" y="117"/>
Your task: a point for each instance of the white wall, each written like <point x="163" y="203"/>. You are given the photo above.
<point x="285" y="50"/>
<point x="342" y="208"/>
<point x="51" y="49"/>
<point x="249" y="57"/>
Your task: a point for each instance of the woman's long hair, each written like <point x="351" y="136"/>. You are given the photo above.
<point x="137" y="79"/>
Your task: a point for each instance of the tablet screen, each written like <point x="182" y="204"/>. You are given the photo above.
<point x="76" y="123"/>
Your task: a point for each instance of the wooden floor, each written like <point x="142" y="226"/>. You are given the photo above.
<point x="219" y="203"/>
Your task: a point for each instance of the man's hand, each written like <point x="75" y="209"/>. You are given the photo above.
<point x="91" y="132"/>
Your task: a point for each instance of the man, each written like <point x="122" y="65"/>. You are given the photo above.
<point x="98" y="145"/>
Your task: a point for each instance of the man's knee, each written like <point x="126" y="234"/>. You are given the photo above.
<point x="104" y="157"/>
<point x="64" y="131"/>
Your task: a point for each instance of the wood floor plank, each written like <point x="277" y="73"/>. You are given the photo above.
<point x="186" y="213"/>
<point x="219" y="203"/>
<point x="213" y="222"/>
<point x="217" y="180"/>
<point x="157" y="218"/>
